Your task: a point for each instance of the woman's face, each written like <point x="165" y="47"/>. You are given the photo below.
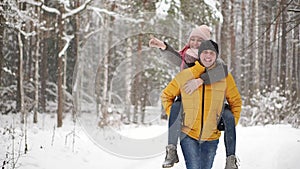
<point x="208" y="58"/>
<point x="195" y="42"/>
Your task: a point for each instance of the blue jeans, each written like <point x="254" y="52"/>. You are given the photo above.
<point x="229" y="132"/>
<point x="174" y="129"/>
<point x="198" y="154"/>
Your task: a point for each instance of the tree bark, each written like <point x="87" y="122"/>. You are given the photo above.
<point x="20" y="79"/>
<point x="2" y="21"/>
<point x="251" y="50"/>
<point x="37" y="54"/>
<point x="233" y="55"/>
<point x="60" y="91"/>
<point x="244" y="84"/>
<point x="225" y="40"/>
<point x="267" y="45"/>
<point x="283" y="48"/>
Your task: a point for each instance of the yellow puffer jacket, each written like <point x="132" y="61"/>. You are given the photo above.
<point x="203" y="106"/>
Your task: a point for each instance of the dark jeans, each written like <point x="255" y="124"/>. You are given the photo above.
<point x="229" y="132"/>
<point x="175" y="127"/>
<point x="198" y="155"/>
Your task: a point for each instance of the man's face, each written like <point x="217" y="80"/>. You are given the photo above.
<point x="208" y="58"/>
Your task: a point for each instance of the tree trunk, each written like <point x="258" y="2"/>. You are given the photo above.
<point x="297" y="60"/>
<point x="283" y="48"/>
<point x="257" y="38"/>
<point x="20" y="80"/>
<point x="274" y="54"/>
<point x="244" y="57"/>
<point x="144" y="100"/>
<point x="140" y="92"/>
<point x="76" y="42"/>
<point x="251" y="50"/>
<point x="225" y="40"/>
<point x="106" y="61"/>
<point x="295" y="63"/>
<point x="60" y="99"/>
<point x="128" y="75"/>
<point x="44" y="71"/>
<point x="232" y="38"/>
<point x="268" y="55"/>
<point x="37" y="54"/>
<point x="2" y="20"/>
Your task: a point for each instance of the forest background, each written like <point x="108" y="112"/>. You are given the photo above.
<point x="90" y="56"/>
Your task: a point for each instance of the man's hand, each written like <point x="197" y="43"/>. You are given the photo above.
<point x="191" y="85"/>
<point x="154" y="42"/>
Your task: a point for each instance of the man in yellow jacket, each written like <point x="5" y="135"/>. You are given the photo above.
<point x="202" y="108"/>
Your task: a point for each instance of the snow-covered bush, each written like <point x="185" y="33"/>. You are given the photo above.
<point x="270" y="108"/>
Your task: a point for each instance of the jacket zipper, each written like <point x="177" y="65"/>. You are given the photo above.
<point x="202" y="112"/>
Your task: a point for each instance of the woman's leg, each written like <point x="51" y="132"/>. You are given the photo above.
<point x="174" y="123"/>
<point x="174" y="131"/>
<point x="229" y="132"/>
<point x="229" y="139"/>
<point x="208" y="151"/>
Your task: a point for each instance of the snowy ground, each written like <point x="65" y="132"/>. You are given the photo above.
<point x="268" y="147"/>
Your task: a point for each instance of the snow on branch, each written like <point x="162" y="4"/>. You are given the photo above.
<point x="114" y="14"/>
<point x="17" y="26"/>
<point x="27" y="34"/>
<point x="68" y="39"/>
<point x="77" y="10"/>
<point x="50" y="10"/>
<point x="41" y="4"/>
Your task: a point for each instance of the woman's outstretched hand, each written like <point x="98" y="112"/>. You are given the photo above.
<point x="156" y="43"/>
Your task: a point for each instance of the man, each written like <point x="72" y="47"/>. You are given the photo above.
<point x="202" y="108"/>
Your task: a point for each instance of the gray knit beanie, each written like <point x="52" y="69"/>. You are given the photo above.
<point x="208" y="45"/>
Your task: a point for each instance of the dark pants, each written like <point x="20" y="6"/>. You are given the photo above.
<point x="229" y="132"/>
<point x="198" y="155"/>
<point x="175" y="127"/>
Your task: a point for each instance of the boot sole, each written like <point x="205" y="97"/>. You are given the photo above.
<point x="169" y="166"/>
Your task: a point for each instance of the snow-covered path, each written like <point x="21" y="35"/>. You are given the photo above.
<point x="260" y="147"/>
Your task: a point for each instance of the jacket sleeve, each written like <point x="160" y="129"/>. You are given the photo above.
<point x="168" y="95"/>
<point x="197" y="69"/>
<point x="233" y="97"/>
<point x="171" y="55"/>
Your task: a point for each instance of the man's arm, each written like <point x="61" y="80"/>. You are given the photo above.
<point x="233" y="98"/>
<point x="168" y="95"/>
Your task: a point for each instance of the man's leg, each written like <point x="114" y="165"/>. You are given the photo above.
<point x="208" y="151"/>
<point x="190" y="149"/>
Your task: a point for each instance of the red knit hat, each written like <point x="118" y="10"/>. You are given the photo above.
<point x="202" y="31"/>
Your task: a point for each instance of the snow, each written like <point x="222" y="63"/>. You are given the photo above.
<point x="213" y="5"/>
<point x="259" y="147"/>
<point x="162" y="8"/>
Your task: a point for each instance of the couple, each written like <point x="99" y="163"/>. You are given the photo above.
<point x="194" y="102"/>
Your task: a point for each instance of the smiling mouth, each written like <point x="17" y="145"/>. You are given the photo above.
<point x="208" y="60"/>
